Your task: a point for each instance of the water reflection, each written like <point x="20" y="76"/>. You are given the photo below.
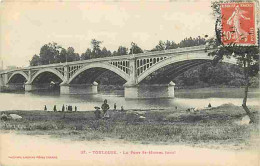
<point x="184" y="99"/>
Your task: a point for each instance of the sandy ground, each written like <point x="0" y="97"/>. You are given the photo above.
<point x="24" y="150"/>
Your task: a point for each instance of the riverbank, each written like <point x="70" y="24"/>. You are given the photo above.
<point x="224" y="126"/>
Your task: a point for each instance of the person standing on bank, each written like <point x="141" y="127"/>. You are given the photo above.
<point x="97" y="113"/>
<point x="63" y="108"/>
<point x="76" y="108"/>
<point x="105" y="106"/>
<point x="45" y="108"/>
<point x="115" y="107"/>
<point x="54" y="108"/>
<point x="70" y="108"/>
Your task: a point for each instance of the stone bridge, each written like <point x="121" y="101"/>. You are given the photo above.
<point x="132" y="68"/>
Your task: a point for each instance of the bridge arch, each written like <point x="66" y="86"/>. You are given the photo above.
<point x="17" y="73"/>
<point x="55" y="72"/>
<point x="100" y="65"/>
<point x="179" y="58"/>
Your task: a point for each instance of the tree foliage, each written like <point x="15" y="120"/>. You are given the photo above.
<point x="105" y="53"/>
<point x="247" y="56"/>
<point x="48" y="53"/>
<point x="86" y="55"/>
<point x="62" y="56"/>
<point x="35" y="60"/>
<point x="135" y="49"/>
<point x="71" y="55"/>
<point x="122" y="50"/>
<point x="96" y="51"/>
<point x="187" y="42"/>
<point x="53" y="53"/>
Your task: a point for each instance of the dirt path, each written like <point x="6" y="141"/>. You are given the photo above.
<point x="20" y="150"/>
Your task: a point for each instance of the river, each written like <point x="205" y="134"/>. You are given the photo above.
<point x="183" y="99"/>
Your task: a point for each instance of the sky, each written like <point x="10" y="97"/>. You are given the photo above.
<point x="25" y="26"/>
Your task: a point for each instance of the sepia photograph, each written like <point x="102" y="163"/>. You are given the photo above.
<point x="135" y="82"/>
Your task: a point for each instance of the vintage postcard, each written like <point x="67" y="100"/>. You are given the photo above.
<point x="149" y="83"/>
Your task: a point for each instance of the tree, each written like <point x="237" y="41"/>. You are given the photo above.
<point x="247" y="57"/>
<point x="105" y="53"/>
<point x="215" y="75"/>
<point x="48" y="53"/>
<point x="160" y="46"/>
<point x="86" y="55"/>
<point x="63" y="56"/>
<point x="165" y="45"/>
<point x="189" y="42"/>
<point x="95" y="53"/>
<point x="76" y="57"/>
<point x="122" y="50"/>
<point x="170" y="45"/>
<point x="191" y="78"/>
<point x="53" y="53"/>
<point x="35" y="60"/>
<point x="71" y="55"/>
<point x="114" y="53"/>
<point x="135" y="49"/>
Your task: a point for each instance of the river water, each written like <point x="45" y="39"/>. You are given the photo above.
<point x="183" y="99"/>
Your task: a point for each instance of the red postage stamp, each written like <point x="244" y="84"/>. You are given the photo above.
<point x="238" y="23"/>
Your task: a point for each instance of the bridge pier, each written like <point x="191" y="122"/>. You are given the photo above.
<point x="3" y="81"/>
<point x="78" y="88"/>
<point x="29" y="87"/>
<point x="2" y="87"/>
<point x="149" y="91"/>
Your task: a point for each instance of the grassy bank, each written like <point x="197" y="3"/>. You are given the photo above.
<point x="218" y="125"/>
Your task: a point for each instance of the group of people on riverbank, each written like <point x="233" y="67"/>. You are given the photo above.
<point x="105" y="108"/>
<point x="194" y="110"/>
<point x="68" y="108"/>
<point x="105" y="114"/>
